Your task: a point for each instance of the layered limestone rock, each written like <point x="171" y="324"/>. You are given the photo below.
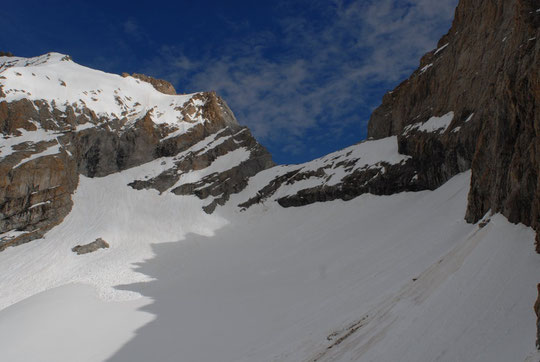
<point x="108" y="125"/>
<point x="35" y="194"/>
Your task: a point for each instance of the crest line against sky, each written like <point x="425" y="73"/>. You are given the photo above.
<point x="304" y="76"/>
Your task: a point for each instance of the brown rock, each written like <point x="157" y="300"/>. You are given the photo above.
<point x="490" y="70"/>
<point x="17" y="115"/>
<point x="95" y="245"/>
<point x="36" y="195"/>
<point x="159" y="84"/>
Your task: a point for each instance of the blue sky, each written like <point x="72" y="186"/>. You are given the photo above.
<point x="303" y="75"/>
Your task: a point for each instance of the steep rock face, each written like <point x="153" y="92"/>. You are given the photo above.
<point x="486" y="71"/>
<point x="60" y="120"/>
<point x="35" y="195"/>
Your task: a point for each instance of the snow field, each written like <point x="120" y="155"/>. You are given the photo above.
<point x="398" y="277"/>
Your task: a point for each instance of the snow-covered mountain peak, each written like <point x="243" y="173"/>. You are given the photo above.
<point x="55" y="79"/>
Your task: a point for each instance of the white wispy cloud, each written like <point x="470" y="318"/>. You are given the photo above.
<point x="324" y="72"/>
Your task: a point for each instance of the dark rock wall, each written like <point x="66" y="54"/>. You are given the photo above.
<point x="221" y="185"/>
<point x="218" y="185"/>
<point x="490" y="69"/>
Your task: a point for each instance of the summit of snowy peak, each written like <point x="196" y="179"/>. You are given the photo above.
<point x="61" y="83"/>
<point x="8" y="60"/>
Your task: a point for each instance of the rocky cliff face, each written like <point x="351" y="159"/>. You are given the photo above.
<point x="60" y="120"/>
<point x="486" y="71"/>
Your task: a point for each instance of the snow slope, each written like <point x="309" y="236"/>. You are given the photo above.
<point x="130" y="220"/>
<point x="377" y="278"/>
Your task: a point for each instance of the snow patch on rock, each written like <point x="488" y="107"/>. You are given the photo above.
<point x="434" y="124"/>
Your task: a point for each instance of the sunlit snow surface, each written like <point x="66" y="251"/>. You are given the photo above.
<point x="404" y="273"/>
<point x="56" y="79"/>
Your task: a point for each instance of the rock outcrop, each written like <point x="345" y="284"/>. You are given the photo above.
<point x="95" y="245"/>
<point x="216" y="184"/>
<point x="35" y="195"/>
<point x="159" y="84"/>
<point x="368" y="167"/>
